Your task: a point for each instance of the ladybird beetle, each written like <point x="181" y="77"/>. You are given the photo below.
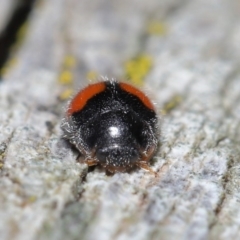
<point x="112" y="124"/>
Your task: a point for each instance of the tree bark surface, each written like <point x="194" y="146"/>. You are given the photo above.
<point x="194" y="52"/>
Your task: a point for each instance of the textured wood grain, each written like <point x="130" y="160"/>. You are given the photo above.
<point x="194" y="49"/>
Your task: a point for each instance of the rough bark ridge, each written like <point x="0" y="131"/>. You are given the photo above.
<point x="46" y="194"/>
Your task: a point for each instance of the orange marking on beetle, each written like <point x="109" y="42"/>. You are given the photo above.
<point x="80" y="100"/>
<point x="131" y="89"/>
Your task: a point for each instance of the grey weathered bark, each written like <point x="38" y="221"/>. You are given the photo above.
<point x="46" y="194"/>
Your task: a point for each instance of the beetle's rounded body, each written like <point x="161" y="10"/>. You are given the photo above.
<point x="112" y="124"/>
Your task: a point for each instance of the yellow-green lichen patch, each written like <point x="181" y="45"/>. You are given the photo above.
<point x="171" y="104"/>
<point x="66" y="77"/>
<point x="137" y="69"/>
<point x="92" y="75"/>
<point x="69" y="61"/>
<point x="21" y="34"/>
<point x="66" y="94"/>
<point x="10" y="64"/>
<point x="156" y="28"/>
<point x="12" y="60"/>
